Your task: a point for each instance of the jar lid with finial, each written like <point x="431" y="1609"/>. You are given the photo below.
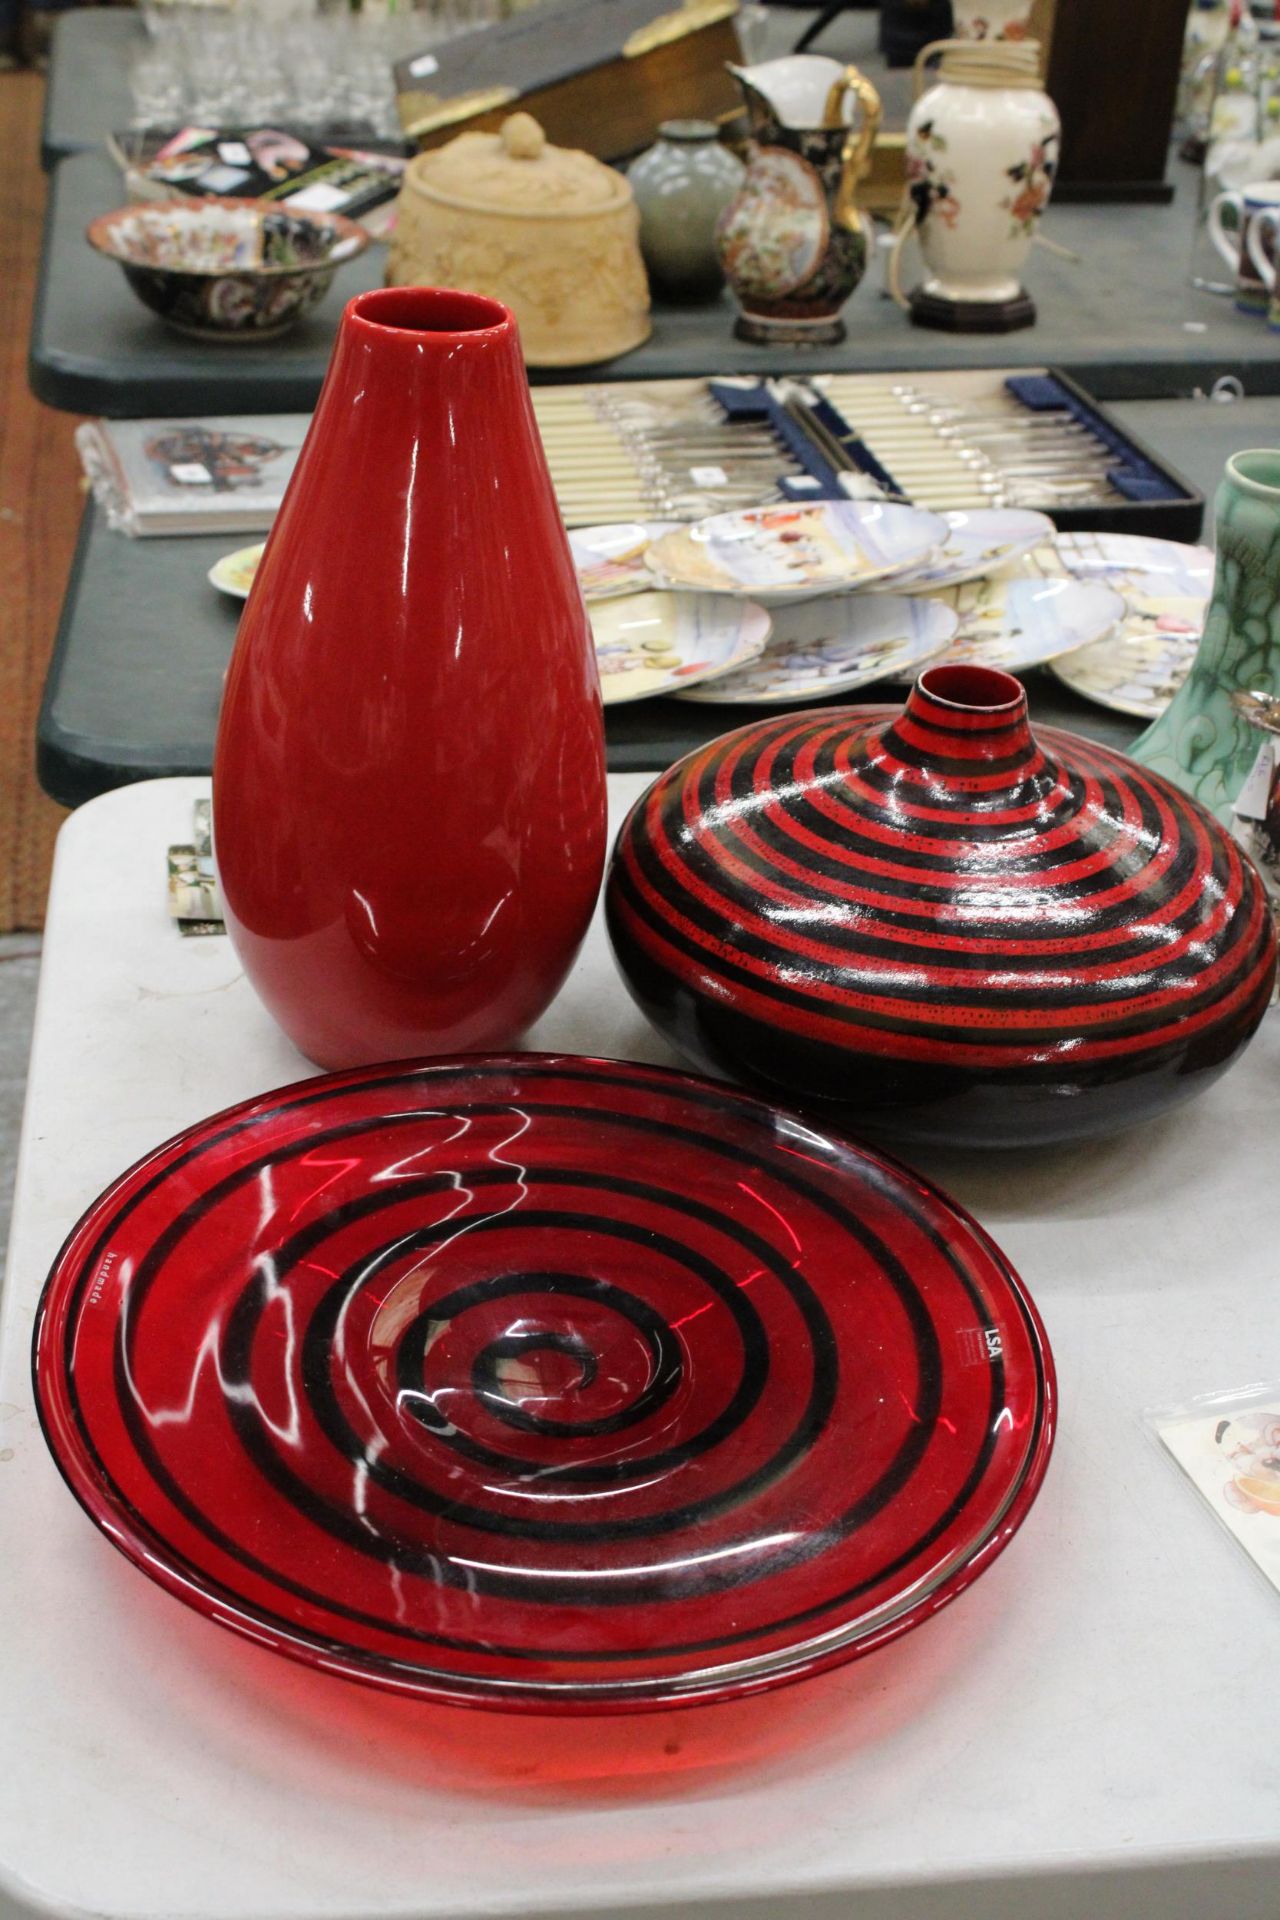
<point x="517" y="170"/>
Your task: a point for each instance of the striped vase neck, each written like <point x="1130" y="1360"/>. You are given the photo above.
<point x="965" y="730"/>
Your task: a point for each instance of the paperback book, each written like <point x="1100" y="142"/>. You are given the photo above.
<point x="263" y="163"/>
<point x="225" y="475"/>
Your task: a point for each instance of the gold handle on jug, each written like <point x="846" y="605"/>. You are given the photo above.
<point x="856" y="157"/>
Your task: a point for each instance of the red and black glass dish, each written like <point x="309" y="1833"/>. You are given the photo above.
<point x="947" y="929"/>
<point x="544" y="1383"/>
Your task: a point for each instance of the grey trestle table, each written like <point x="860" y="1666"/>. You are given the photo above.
<point x="136" y="678"/>
<point x="1124" y="320"/>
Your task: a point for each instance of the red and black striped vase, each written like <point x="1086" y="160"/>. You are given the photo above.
<point x="951" y="929"/>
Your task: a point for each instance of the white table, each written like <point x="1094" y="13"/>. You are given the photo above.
<point x="1090" y="1733"/>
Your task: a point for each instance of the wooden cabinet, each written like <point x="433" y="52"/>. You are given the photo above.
<point x="1113" y="73"/>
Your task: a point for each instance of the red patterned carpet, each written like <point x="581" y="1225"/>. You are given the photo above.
<point x="39" y="514"/>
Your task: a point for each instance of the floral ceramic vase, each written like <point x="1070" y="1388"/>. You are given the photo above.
<point x="682" y="186"/>
<point x="982" y="152"/>
<point x="939" y="925"/>
<point x="793" y="243"/>
<point x="1203" y="741"/>
<point x="992" y="20"/>
<point x="409" y="808"/>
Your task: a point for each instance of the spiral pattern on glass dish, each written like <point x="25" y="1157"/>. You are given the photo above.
<point x="957" y="931"/>
<point x="540" y="1381"/>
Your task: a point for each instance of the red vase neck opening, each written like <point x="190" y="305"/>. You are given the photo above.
<point x="417" y="319"/>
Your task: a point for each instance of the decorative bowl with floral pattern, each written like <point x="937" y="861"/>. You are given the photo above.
<point x="227" y="269"/>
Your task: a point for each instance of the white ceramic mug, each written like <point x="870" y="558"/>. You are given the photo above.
<point x="1266" y="260"/>
<point x="1233" y="243"/>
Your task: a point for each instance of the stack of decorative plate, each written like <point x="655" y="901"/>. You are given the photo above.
<point x="794" y="603"/>
<point x="1166" y="589"/>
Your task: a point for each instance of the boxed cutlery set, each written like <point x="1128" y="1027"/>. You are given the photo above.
<point x="680" y="449"/>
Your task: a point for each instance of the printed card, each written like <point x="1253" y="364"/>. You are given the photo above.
<point x="1229" y="1448"/>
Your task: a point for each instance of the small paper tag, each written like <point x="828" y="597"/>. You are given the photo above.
<point x="190" y="473"/>
<point x="1251" y="804"/>
<point x="859" y="486"/>
<point x="980" y="1346"/>
<point x="320" y="197"/>
<point x="223" y="179"/>
<point x="708" y="476"/>
<point x="235" y="153"/>
<point x="424" y="64"/>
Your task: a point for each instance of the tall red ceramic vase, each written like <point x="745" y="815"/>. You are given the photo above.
<point x="409" y="805"/>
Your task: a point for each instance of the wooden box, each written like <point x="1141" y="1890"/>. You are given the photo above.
<point x="598" y="74"/>
<point x="1113" y="72"/>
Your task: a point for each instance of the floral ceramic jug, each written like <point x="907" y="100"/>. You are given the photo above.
<point x="793" y="243"/>
<point x="982" y="151"/>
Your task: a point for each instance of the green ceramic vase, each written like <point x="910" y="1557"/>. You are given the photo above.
<point x="1200" y="742"/>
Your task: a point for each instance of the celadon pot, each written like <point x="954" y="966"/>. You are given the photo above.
<point x="1202" y="741"/>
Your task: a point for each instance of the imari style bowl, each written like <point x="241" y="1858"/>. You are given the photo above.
<point x="944" y="927"/>
<point x="227" y="270"/>
<point x="543" y="1383"/>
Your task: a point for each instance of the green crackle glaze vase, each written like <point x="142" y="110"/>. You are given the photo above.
<point x="1201" y="742"/>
